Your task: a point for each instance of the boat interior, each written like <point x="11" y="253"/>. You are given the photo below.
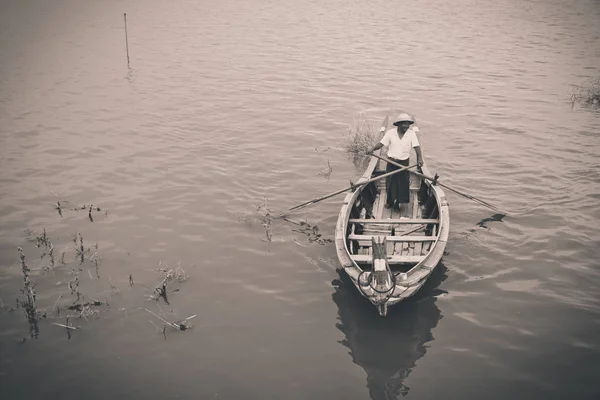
<point x="410" y="232"/>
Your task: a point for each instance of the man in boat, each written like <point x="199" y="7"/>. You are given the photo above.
<point x="400" y="141"/>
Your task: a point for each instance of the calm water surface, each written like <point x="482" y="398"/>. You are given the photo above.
<point x="226" y="103"/>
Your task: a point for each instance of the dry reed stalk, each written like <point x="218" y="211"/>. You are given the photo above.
<point x="66" y="326"/>
<point x="55" y="307"/>
<point x="182" y="325"/>
<point x="362" y="136"/>
<point x="29" y="297"/>
<point x="74" y="284"/>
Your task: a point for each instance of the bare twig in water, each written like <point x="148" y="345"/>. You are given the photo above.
<point x="180" y="325"/>
<point x="66" y="326"/>
<point x="172" y="325"/>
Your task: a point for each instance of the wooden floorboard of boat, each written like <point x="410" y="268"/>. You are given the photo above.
<point x="427" y="246"/>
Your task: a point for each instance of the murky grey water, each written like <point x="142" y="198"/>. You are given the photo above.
<point x="228" y="102"/>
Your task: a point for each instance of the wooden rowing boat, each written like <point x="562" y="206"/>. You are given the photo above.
<point x="389" y="253"/>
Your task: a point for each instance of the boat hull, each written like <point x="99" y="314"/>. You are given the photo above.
<point x="410" y="258"/>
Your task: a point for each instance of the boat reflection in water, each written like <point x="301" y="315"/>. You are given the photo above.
<point x="388" y="348"/>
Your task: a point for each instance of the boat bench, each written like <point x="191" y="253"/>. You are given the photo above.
<point x="398" y="221"/>
<point x="394" y="238"/>
<point x="368" y="259"/>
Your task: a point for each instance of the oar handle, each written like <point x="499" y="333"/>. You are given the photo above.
<point x="353" y="187"/>
<point x="435" y="180"/>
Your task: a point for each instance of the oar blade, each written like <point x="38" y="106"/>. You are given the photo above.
<point x="384" y="124"/>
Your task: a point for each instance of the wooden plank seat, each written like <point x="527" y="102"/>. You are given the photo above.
<point x="395" y="238"/>
<point x="393" y="221"/>
<point x="368" y="259"/>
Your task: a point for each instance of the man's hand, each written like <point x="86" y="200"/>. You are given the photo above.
<point x="420" y="162"/>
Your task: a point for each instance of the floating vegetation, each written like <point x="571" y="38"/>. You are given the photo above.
<point x="266" y="218"/>
<point x="169" y="276"/>
<point x="61" y="207"/>
<point x="587" y="94"/>
<point x="262" y="215"/>
<point x="72" y="304"/>
<point x="312" y="231"/>
<point x="362" y="136"/>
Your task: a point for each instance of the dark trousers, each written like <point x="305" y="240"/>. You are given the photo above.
<point x="398" y="185"/>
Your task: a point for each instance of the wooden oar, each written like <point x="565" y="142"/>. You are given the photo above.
<point x="468" y="196"/>
<point x="353" y="187"/>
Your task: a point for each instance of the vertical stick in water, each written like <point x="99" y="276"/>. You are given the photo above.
<point x="126" y="41"/>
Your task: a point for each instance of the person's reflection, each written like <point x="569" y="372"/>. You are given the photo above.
<point x="387" y="348"/>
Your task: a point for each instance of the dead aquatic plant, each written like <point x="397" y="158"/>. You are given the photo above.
<point x="262" y="215"/>
<point x="40" y="238"/>
<point x="266" y="223"/>
<point x="312" y="231"/>
<point x="362" y="136"/>
<point x="73" y="284"/>
<point x="169" y="276"/>
<point x="60" y="207"/>
<point x="82" y="251"/>
<point x="29" y="297"/>
<point x="587" y="94"/>
<point x="49" y="267"/>
<point x="85" y="310"/>
<point x="181" y="325"/>
<point x="94" y="259"/>
<point x="79" y="248"/>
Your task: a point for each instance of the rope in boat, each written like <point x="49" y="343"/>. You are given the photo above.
<point x="388" y="293"/>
